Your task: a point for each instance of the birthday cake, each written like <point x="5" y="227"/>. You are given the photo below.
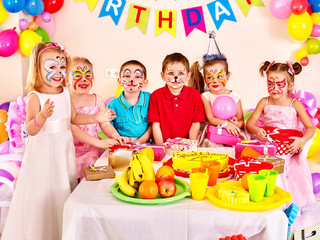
<point x="234" y="196"/>
<point x="180" y="145"/>
<point x="185" y="161"/>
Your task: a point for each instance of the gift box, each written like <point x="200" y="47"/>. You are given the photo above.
<point x="120" y="159"/>
<point x="96" y="173"/>
<point x="122" y="146"/>
<point x="245" y="165"/>
<point x="180" y="145"/>
<point x="158" y="150"/>
<point x="260" y="147"/>
<point x="278" y="163"/>
<point x="221" y="135"/>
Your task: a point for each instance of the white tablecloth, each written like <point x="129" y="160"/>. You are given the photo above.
<point x="92" y="212"/>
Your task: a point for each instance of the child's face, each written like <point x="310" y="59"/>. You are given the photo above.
<point x="278" y="85"/>
<point x="53" y="68"/>
<point x="175" y="75"/>
<point x="216" y="77"/>
<point x="82" y="77"/>
<point x="132" y="78"/>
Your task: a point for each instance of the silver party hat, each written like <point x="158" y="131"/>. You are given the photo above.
<point x="213" y="50"/>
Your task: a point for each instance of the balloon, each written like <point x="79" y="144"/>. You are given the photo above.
<point x="33" y="26"/>
<point x="23" y="24"/>
<point x="280" y="8"/>
<point x="301" y="53"/>
<point x="299" y="6"/>
<point x="119" y="90"/>
<point x="315" y="31"/>
<point x="13" y="6"/>
<point x="315" y="145"/>
<point x="316" y="182"/>
<point x="28" y="39"/>
<point x="315" y="18"/>
<point x="4" y="147"/>
<point x="5" y="106"/>
<point x="52" y="6"/>
<point x="3" y="133"/>
<point x="313" y="46"/>
<point x="3" y="13"/>
<point x="50" y="27"/>
<point x="46" y="17"/>
<point x="42" y="34"/>
<point x="3" y="116"/>
<point x="9" y="42"/>
<point x="315" y="7"/>
<point x="300" y="26"/>
<point x="34" y="7"/>
<point x="304" y="61"/>
<point x="224" y="107"/>
<point x="108" y="100"/>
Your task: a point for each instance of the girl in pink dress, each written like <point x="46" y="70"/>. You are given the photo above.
<point x="283" y="112"/>
<point x="88" y="146"/>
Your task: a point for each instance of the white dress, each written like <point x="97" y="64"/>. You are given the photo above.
<point x="46" y="179"/>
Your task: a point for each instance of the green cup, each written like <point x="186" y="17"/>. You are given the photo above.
<point x="257" y="186"/>
<point x="271" y="181"/>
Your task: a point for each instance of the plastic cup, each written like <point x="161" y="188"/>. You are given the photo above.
<point x="257" y="186"/>
<point x="213" y="170"/>
<point x="249" y="152"/>
<point x="197" y="170"/>
<point x="198" y="182"/>
<point x="271" y="181"/>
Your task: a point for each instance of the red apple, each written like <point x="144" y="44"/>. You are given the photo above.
<point x="163" y="177"/>
<point x="167" y="188"/>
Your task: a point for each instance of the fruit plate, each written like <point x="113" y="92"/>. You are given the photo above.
<point x="279" y="198"/>
<point x="183" y="190"/>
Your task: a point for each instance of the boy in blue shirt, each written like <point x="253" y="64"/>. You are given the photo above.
<point x="132" y="105"/>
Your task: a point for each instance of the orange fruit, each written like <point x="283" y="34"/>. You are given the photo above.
<point x="148" y="189"/>
<point x="165" y="170"/>
<point x="244" y="181"/>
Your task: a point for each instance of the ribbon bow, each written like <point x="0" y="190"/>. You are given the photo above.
<point x="290" y="70"/>
<point x="275" y="131"/>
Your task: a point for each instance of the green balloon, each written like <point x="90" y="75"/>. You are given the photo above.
<point x="102" y="135"/>
<point x="42" y="34"/>
<point x="313" y="46"/>
<point x="247" y="115"/>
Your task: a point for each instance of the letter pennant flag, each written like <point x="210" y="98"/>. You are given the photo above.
<point x="193" y="18"/>
<point x="91" y="3"/>
<point x="245" y="5"/>
<point x="165" y="21"/>
<point x="138" y="16"/>
<point x="113" y="8"/>
<point x="220" y="10"/>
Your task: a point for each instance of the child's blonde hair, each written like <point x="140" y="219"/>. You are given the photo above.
<point x="34" y="79"/>
<point x="84" y="60"/>
<point x="175" y="57"/>
<point x="197" y="79"/>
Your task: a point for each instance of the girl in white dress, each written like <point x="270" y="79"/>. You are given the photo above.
<point x="48" y="171"/>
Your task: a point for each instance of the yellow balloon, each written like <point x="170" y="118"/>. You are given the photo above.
<point x="3" y="133"/>
<point x="3" y="13"/>
<point x="315" y="146"/>
<point x="28" y="39"/>
<point x="301" y="53"/>
<point x="315" y="18"/>
<point x="119" y="90"/>
<point x="300" y="26"/>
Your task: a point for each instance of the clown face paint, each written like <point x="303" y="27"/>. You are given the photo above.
<point x="81" y="73"/>
<point x="275" y="86"/>
<point x="132" y="78"/>
<point x="210" y="77"/>
<point x="54" y="66"/>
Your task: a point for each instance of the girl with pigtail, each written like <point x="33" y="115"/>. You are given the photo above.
<point x="283" y="112"/>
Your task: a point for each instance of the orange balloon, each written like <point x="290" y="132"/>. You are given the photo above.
<point x="3" y="116"/>
<point x="148" y="189"/>
<point x="33" y="26"/>
<point x="3" y="133"/>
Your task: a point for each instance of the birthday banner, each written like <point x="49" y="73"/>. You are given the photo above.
<point x="165" y="19"/>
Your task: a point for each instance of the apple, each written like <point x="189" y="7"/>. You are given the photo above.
<point x="167" y="188"/>
<point x="163" y="177"/>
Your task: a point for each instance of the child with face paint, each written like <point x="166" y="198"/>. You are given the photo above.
<point x="175" y="110"/>
<point x="132" y="105"/>
<point x="281" y="111"/>
<point x="88" y="146"/>
<point x="48" y="171"/>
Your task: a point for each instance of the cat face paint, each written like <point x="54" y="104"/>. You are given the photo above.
<point x="276" y="86"/>
<point x="81" y="73"/>
<point x="210" y="78"/>
<point x="176" y="76"/>
<point x="132" y="80"/>
<point x="54" y="66"/>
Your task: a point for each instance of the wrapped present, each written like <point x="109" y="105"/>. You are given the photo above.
<point x="120" y="159"/>
<point x="158" y="150"/>
<point x="122" y="146"/>
<point x="101" y="172"/>
<point x="245" y="165"/>
<point x="260" y="147"/>
<point x="180" y="145"/>
<point x="221" y="135"/>
<point x="278" y="163"/>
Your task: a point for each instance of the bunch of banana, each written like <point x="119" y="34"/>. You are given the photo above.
<point x="125" y="186"/>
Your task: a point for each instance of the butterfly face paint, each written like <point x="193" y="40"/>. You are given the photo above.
<point x="81" y="73"/>
<point x="210" y="78"/>
<point x="176" y="76"/>
<point x="276" y="86"/>
<point x="132" y="80"/>
<point x="54" y="66"/>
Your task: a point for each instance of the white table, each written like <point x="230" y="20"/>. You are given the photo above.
<point x="92" y="212"/>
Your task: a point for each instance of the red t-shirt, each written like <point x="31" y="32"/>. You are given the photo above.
<point x="175" y="113"/>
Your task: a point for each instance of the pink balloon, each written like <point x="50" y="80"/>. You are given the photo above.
<point x="224" y="107"/>
<point x="50" y="27"/>
<point x="9" y="42"/>
<point x="315" y="31"/>
<point x="23" y="24"/>
<point x="280" y="8"/>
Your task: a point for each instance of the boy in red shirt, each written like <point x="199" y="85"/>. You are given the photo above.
<point x="175" y="110"/>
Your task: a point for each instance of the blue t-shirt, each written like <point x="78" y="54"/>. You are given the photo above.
<point x="131" y="120"/>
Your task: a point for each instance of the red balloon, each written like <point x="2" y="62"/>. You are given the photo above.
<point x="304" y="61"/>
<point x="52" y="6"/>
<point x="309" y="10"/>
<point x="299" y="6"/>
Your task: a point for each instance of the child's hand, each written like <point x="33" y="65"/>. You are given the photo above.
<point x="47" y="109"/>
<point x="121" y="140"/>
<point x="111" y="114"/>
<point x="105" y="115"/>
<point x="262" y="134"/>
<point x="106" y="143"/>
<point x="234" y="120"/>
<point x="294" y="147"/>
<point x="233" y="129"/>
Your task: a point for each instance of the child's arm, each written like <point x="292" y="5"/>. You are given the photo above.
<point x="307" y="123"/>
<point x="251" y="125"/>
<point x="111" y="132"/>
<point x="157" y="134"/>
<point x="145" y="137"/>
<point x="238" y="119"/>
<point x="194" y="131"/>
